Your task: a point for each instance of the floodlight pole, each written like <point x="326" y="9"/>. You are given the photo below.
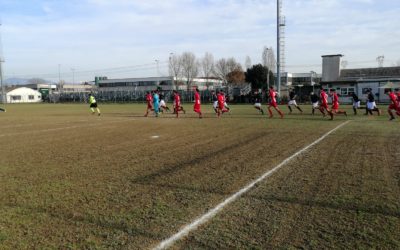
<point x="3" y="100"/>
<point x="278" y="43"/>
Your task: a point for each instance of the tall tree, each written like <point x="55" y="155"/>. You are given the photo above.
<point x="190" y="67"/>
<point x="207" y="66"/>
<point x="247" y="63"/>
<point x="258" y="76"/>
<point x="175" y="67"/>
<point x="268" y="58"/>
<point x="236" y="77"/>
<point x="224" y="66"/>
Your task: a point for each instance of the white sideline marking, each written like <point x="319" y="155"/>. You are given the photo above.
<point x="155" y="137"/>
<point x="204" y="218"/>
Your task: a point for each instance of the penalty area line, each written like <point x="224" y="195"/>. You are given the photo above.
<point x="210" y="214"/>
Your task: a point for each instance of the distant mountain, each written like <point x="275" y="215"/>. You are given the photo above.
<point x="16" y="81"/>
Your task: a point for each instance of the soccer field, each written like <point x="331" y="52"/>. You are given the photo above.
<point x="72" y="180"/>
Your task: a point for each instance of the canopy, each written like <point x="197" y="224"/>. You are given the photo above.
<point x="391" y="85"/>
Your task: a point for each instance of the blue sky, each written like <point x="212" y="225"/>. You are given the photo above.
<point x="114" y="37"/>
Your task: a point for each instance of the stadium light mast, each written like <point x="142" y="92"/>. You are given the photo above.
<point x="280" y="43"/>
<point x="1" y="68"/>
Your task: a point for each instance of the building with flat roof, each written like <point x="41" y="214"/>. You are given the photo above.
<point x="348" y="81"/>
<point x="152" y="83"/>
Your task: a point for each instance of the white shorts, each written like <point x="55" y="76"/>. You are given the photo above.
<point x="371" y="105"/>
<point x="315" y="105"/>
<point x="292" y="102"/>
<point x="356" y="105"/>
<point x="257" y="105"/>
<point x="162" y="103"/>
<point x="215" y="104"/>
<point x="226" y="105"/>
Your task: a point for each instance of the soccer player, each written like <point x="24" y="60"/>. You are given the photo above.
<point x="149" y="100"/>
<point x="221" y="104"/>
<point x="394" y="104"/>
<point x="156" y="102"/>
<point x="197" y="107"/>
<point x="257" y="98"/>
<point x="398" y="96"/>
<point x="371" y="105"/>
<point x="177" y="104"/>
<point x="292" y="101"/>
<point x="356" y="102"/>
<point x="314" y="102"/>
<point x="273" y="103"/>
<point x="163" y="105"/>
<point x="215" y="101"/>
<point x="335" y="104"/>
<point x="93" y="105"/>
<point x="226" y="99"/>
<point x="323" y="96"/>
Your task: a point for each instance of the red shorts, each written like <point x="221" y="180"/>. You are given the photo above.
<point x="324" y="105"/>
<point x="197" y="108"/>
<point x="221" y="106"/>
<point x="273" y="104"/>
<point x="149" y="106"/>
<point x="335" y="106"/>
<point x="393" y="106"/>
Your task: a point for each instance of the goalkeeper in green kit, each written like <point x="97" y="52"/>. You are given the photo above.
<point x="93" y="104"/>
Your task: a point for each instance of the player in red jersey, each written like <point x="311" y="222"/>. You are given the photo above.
<point x="177" y="104"/>
<point x="324" y="103"/>
<point x="394" y="104"/>
<point x="398" y="97"/>
<point x="197" y="107"/>
<point x="221" y="104"/>
<point x="273" y="103"/>
<point x="149" y="100"/>
<point x="335" y="104"/>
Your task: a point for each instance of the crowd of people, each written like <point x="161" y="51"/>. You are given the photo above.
<point x="156" y="103"/>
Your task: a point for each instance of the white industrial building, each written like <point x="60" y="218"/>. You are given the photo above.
<point x="23" y="95"/>
<point x="348" y="81"/>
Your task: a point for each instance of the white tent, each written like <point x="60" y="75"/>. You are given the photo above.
<point x="23" y="95"/>
<point x="391" y="85"/>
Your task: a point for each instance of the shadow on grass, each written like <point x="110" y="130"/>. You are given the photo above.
<point x="346" y="207"/>
<point x="167" y="170"/>
<point x="97" y="221"/>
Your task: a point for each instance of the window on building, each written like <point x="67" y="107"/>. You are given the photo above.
<point x="31" y="97"/>
<point x="344" y="91"/>
<point x="350" y="91"/>
<point x="16" y="97"/>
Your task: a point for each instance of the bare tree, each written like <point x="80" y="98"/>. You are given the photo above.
<point x="175" y="67"/>
<point x="233" y="65"/>
<point x="236" y="77"/>
<point x="207" y="66"/>
<point x="225" y="66"/>
<point x="248" y="64"/>
<point x="190" y="67"/>
<point x="268" y="58"/>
